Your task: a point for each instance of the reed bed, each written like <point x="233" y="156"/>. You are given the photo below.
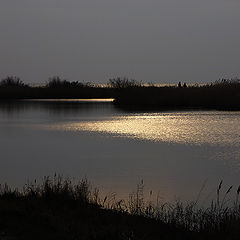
<point x="64" y="197"/>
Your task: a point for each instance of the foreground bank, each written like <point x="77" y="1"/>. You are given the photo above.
<point x="60" y="209"/>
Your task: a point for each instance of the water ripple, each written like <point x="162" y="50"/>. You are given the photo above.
<point x="214" y="128"/>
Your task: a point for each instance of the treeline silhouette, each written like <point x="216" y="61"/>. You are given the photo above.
<point x="131" y="94"/>
<point x="13" y="88"/>
<point x="223" y="94"/>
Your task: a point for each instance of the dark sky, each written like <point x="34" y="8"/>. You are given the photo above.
<point x="162" y="41"/>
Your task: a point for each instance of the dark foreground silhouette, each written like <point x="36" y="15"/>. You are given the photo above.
<point x="60" y="209"/>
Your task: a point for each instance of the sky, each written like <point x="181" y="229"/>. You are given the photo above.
<point x="157" y="41"/>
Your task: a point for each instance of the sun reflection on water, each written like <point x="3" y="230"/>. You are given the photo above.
<point x="189" y="128"/>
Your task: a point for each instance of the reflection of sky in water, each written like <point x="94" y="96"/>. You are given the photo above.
<point x="212" y="128"/>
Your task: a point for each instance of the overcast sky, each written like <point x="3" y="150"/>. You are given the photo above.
<point x="162" y="41"/>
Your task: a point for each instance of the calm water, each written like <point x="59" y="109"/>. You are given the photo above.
<point x="175" y="153"/>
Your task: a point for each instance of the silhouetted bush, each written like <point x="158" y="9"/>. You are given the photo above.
<point x="11" y="81"/>
<point x="226" y="81"/>
<point x="120" y="83"/>
<point x="57" y="82"/>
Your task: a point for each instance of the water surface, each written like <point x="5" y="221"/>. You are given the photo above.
<point x="173" y="152"/>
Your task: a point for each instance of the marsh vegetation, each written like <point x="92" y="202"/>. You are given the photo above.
<point x="59" y="208"/>
<point x="130" y="94"/>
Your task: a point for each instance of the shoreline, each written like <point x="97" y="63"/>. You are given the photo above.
<point x="59" y="208"/>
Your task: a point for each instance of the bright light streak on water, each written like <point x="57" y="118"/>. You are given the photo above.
<point x="198" y="128"/>
<point x="81" y="100"/>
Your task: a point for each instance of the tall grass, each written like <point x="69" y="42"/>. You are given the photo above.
<point x="219" y="217"/>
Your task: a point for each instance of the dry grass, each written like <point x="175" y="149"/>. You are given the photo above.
<point x="80" y="203"/>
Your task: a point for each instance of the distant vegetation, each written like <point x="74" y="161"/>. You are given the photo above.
<point x="55" y="87"/>
<point x="222" y="95"/>
<point x="57" y="82"/>
<point x="59" y="208"/>
<point x="131" y="94"/>
<point x="12" y="82"/>
<point x="123" y="83"/>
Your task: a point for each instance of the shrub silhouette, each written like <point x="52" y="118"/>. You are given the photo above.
<point x="120" y="83"/>
<point x="11" y="81"/>
<point x="57" y="82"/>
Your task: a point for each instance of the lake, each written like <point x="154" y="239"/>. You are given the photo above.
<point x="175" y="153"/>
